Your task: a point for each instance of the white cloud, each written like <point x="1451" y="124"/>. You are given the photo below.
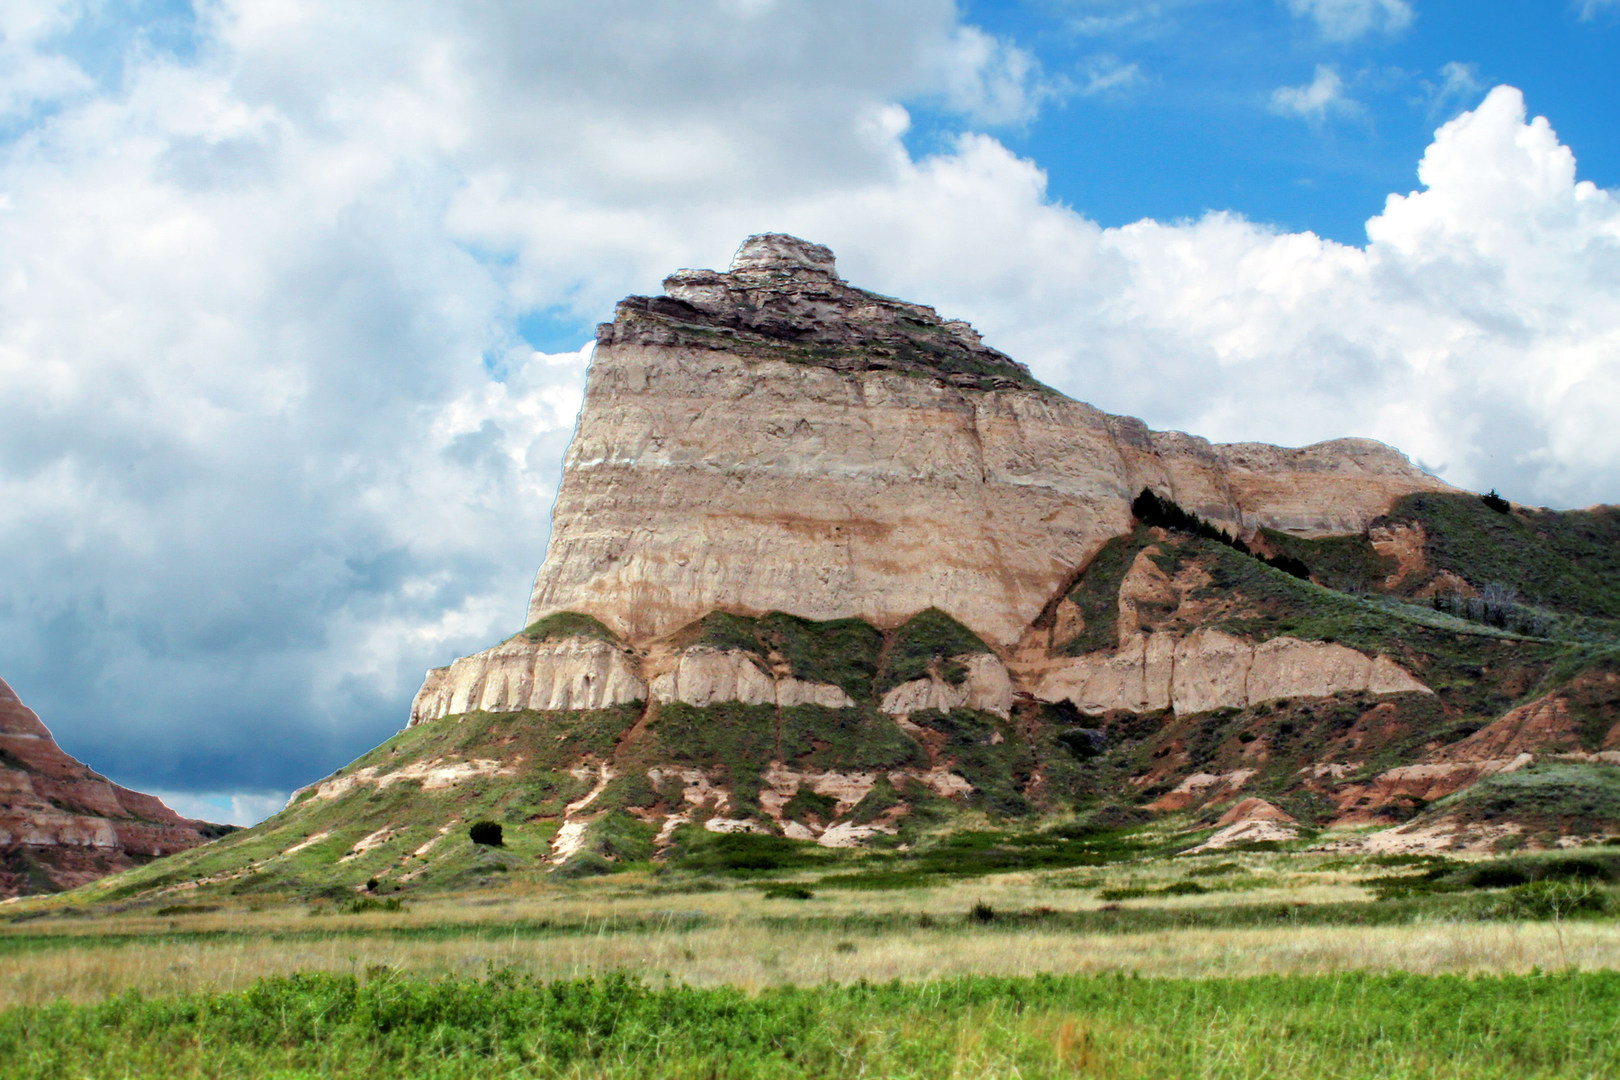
<point x="1315" y="100"/>
<point x="993" y="81"/>
<point x="1459" y="86"/>
<point x="1591" y="9"/>
<point x="1104" y="74"/>
<point x="270" y="444"/>
<point x="225" y="808"/>
<point x="1346" y="20"/>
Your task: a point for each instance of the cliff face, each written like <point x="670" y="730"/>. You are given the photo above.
<point x="772" y="438"/>
<point x="62" y="825"/>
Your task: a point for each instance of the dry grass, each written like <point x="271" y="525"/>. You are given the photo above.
<point x="751" y="955"/>
<point x="737" y="937"/>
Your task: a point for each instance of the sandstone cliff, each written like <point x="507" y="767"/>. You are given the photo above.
<point x="62" y="825"/>
<point x="772" y="438"/>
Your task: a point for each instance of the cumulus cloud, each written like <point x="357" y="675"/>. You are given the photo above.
<point x="271" y="442"/>
<point x="1346" y="20"/>
<point x="1316" y="100"/>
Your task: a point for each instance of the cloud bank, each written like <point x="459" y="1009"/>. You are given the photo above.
<point x="273" y="434"/>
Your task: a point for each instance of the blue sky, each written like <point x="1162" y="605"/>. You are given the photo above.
<point x="1193" y="129"/>
<point x="296" y="299"/>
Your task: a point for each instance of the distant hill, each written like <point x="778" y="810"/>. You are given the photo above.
<point x="62" y="825"/>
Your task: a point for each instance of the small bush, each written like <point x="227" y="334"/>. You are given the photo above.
<point x="361" y="904"/>
<point x="1124" y="892"/>
<point x="1496" y="502"/>
<point x="788" y="892"/>
<point x="981" y="912"/>
<point x="1551" y="900"/>
<point x="487" y="833"/>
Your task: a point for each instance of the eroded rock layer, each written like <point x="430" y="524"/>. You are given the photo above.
<point x="62" y="825"/>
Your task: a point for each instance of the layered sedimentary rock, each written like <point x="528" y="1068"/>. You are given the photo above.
<point x="773" y="438"/>
<point x="62" y="825"/>
<point x="704" y="676"/>
<point x="559" y="673"/>
<point x="1209" y="669"/>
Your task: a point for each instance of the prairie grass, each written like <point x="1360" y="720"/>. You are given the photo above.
<point x="384" y="1023"/>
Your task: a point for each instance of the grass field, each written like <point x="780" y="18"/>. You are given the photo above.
<point x="1249" y="964"/>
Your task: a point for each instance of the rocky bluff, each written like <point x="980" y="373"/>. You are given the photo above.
<point x="773" y="438"/>
<point x="62" y="825"/>
<point x="825" y="567"/>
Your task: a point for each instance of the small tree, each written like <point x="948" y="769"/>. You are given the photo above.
<point x="487" y="833"/>
<point x="1496" y="502"/>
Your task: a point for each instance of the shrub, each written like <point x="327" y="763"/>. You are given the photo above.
<point x="1151" y="509"/>
<point x="487" y="833"/>
<point x="981" y="912"/>
<point x="1496" y="502"/>
<point x="361" y="904"/>
<point x="788" y="892"/>
<point x="1551" y="900"/>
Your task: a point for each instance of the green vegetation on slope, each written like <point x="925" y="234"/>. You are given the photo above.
<point x="1575" y="795"/>
<point x="567" y="624"/>
<point x="843" y="652"/>
<point x="927" y="637"/>
<point x="1096" y="594"/>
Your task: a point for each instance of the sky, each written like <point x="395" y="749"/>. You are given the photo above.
<point x="297" y="296"/>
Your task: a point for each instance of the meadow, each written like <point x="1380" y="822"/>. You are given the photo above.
<point x="1253" y="964"/>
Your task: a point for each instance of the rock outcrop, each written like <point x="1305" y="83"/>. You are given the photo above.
<point x="558" y="673"/>
<point x="62" y="825"/>
<point x="704" y="676"/>
<point x="1209" y="669"/>
<point x="773" y="438"/>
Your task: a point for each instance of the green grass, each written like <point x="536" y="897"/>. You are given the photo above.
<point x="383" y="1023"/>
<point x="567" y="624"/>
<point x="927" y="637"/>
<point x="843" y="652"/>
<point x="1566" y="560"/>
<point x="1551" y="793"/>
<point x="1096" y="594"/>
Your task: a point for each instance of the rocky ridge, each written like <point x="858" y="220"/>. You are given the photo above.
<point x="62" y="825"/>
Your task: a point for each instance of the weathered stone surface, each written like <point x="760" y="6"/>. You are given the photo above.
<point x="559" y="673"/>
<point x="62" y="825"/>
<point x="1209" y="669"/>
<point x="986" y="686"/>
<point x="770" y="438"/>
<point x="705" y="676"/>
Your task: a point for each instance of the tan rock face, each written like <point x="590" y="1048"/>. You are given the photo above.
<point x="771" y="438"/>
<point x="704" y="676"/>
<point x="1209" y="669"/>
<point x="986" y="686"/>
<point x="565" y="673"/>
<point x="62" y="825"/>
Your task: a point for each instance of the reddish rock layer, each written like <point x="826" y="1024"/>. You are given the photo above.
<point x="62" y="825"/>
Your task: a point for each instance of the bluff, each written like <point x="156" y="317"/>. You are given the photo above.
<point x="825" y="567"/>
<point x="62" y="825"/>
<point x="773" y="438"/>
